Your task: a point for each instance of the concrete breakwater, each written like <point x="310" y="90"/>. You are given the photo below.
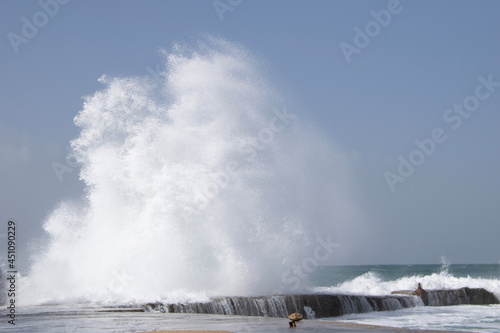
<point x="321" y="306"/>
<point x="311" y="306"/>
<point x="445" y="297"/>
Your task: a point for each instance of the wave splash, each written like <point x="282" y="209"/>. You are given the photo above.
<point x="372" y="283"/>
<point x="199" y="183"/>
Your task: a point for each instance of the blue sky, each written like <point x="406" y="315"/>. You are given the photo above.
<point x="393" y="91"/>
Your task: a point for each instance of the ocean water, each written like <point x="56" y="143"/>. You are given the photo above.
<point x="358" y="280"/>
<point x="202" y="181"/>
<point x="381" y="280"/>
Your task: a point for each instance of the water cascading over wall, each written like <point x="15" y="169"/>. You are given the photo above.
<point x="312" y="306"/>
<point x="320" y="306"/>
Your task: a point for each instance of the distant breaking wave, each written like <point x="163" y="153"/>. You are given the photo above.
<point x="372" y="283"/>
<point x="200" y="182"/>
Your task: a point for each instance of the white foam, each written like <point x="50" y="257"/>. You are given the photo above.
<point x="196" y="185"/>
<point x="468" y="318"/>
<point x="371" y="283"/>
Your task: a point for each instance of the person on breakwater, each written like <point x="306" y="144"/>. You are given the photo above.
<point x="420" y="291"/>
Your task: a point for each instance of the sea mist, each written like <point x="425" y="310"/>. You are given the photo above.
<point x="200" y="181"/>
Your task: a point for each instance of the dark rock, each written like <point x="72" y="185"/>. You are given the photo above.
<point x="444" y="297"/>
<point x="481" y="296"/>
